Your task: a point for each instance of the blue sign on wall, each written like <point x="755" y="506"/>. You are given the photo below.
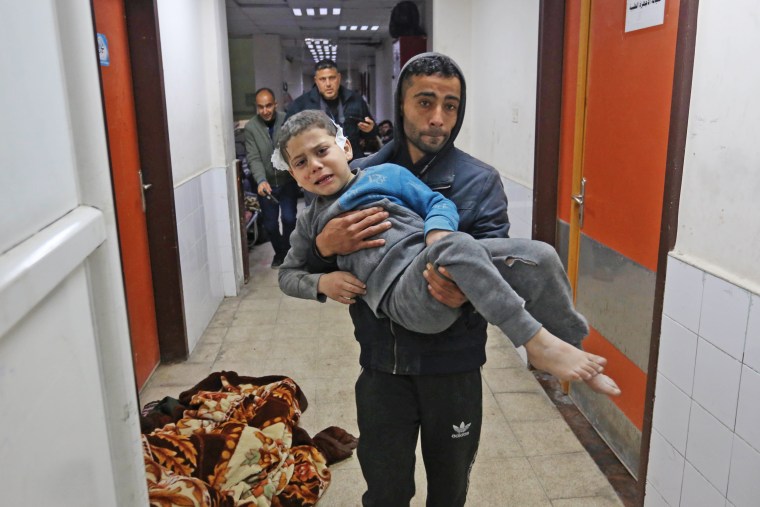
<point x="103" y="55"/>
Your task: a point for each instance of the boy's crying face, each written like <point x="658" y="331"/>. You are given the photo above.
<point x="317" y="163"/>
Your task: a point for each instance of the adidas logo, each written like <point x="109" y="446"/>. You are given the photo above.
<point x="461" y="430"/>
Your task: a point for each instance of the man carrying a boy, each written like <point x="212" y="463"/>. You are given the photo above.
<point x="414" y="383"/>
<point x="530" y="300"/>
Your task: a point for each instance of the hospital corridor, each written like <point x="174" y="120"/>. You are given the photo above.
<point x="151" y="195"/>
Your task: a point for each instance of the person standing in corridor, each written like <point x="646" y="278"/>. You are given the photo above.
<point x="278" y="191"/>
<point x="345" y="107"/>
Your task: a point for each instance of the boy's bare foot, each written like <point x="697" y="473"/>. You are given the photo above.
<point x="603" y="384"/>
<point x="548" y="353"/>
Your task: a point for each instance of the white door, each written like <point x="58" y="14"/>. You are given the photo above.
<point x="68" y="426"/>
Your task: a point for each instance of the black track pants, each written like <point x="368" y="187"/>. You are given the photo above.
<point x="446" y="410"/>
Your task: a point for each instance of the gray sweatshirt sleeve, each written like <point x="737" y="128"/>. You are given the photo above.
<point x="293" y="277"/>
<point x="255" y="162"/>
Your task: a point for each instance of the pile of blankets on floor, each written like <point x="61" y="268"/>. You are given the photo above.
<point x="235" y="441"/>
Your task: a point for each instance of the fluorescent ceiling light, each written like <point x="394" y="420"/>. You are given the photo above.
<point x="374" y="28"/>
<point x="343" y="28"/>
<point x="323" y="11"/>
<point x="354" y="27"/>
<point x="297" y="12"/>
<point x="310" y="11"/>
<point x="365" y="28"/>
<point x="336" y="11"/>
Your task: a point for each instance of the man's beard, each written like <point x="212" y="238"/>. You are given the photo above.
<point x="426" y="147"/>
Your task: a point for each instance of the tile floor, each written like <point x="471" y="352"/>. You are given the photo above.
<point x="528" y="455"/>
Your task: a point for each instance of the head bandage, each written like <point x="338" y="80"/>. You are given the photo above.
<point x="279" y="163"/>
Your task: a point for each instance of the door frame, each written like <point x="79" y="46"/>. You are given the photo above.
<point x="551" y="44"/>
<point x="155" y="161"/>
<point x="546" y="165"/>
<point x="686" y="40"/>
<point x="138" y="306"/>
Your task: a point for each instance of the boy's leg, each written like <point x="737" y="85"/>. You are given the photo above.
<point x="389" y="420"/>
<point x="533" y="269"/>
<point x="471" y="266"/>
<point x="452" y="414"/>
<point x="409" y="304"/>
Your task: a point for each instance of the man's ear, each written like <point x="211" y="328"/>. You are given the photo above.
<point x="348" y="150"/>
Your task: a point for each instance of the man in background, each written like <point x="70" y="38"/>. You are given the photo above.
<point x="385" y="131"/>
<point x="345" y="107"/>
<point x="278" y="191"/>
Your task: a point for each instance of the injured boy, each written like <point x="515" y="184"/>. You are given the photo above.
<point x="519" y="285"/>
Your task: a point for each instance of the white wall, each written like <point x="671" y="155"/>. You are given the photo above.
<point x="496" y="44"/>
<point x="185" y="61"/>
<point x="199" y="114"/>
<point x="502" y="95"/>
<point x="267" y="62"/>
<point x="706" y="439"/>
<point x="228" y="242"/>
<point x="243" y="76"/>
<point x="292" y="75"/>
<point x="453" y="36"/>
<point x="65" y="357"/>
<point x="384" y="82"/>
<point x="705" y="445"/>
<point x="721" y="181"/>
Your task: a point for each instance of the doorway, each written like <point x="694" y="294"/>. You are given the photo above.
<point x="128" y="184"/>
<point x="135" y="110"/>
<point x="616" y="106"/>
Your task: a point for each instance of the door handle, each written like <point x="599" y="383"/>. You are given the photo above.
<point x="143" y="187"/>
<point x="580" y="200"/>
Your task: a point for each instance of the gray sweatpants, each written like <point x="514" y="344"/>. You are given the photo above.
<point x="518" y="285"/>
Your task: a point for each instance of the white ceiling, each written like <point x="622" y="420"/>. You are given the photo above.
<point x="253" y="17"/>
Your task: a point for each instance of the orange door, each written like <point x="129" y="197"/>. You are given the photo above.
<point x="125" y="166"/>
<point x="621" y="155"/>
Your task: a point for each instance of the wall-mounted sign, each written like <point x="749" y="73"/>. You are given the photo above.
<point x="643" y="14"/>
<point x="103" y="55"/>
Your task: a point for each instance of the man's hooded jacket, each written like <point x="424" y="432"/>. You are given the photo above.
<point x="353" y="107"/>
<point x="476" y="189"/>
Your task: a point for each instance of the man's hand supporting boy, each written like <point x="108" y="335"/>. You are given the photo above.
<point x="350" y="232"/>
<point x="341" y="286"/>
<point x="440" y="285"/>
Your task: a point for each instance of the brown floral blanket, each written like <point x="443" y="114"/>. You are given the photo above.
<point x="235" y="441"/>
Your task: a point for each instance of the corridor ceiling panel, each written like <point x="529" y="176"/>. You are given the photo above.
<point x="246" y="18"/>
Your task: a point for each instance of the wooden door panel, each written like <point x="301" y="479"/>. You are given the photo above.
<point x="116" y="80"/>
<point x="625" y="134"/>
<point x="630" y="81"/>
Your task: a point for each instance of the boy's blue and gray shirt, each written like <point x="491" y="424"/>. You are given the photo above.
<point x="414" y="210"/>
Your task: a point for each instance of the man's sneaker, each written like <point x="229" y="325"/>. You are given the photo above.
<point x="277" y="262"/>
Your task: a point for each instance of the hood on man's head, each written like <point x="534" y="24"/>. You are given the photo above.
<point x="428" y="64"/>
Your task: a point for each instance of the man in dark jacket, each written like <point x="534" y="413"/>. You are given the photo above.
<point x="345" y="107"/>
<point x="278" y="191"/>
<point x="412" y="383"/>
